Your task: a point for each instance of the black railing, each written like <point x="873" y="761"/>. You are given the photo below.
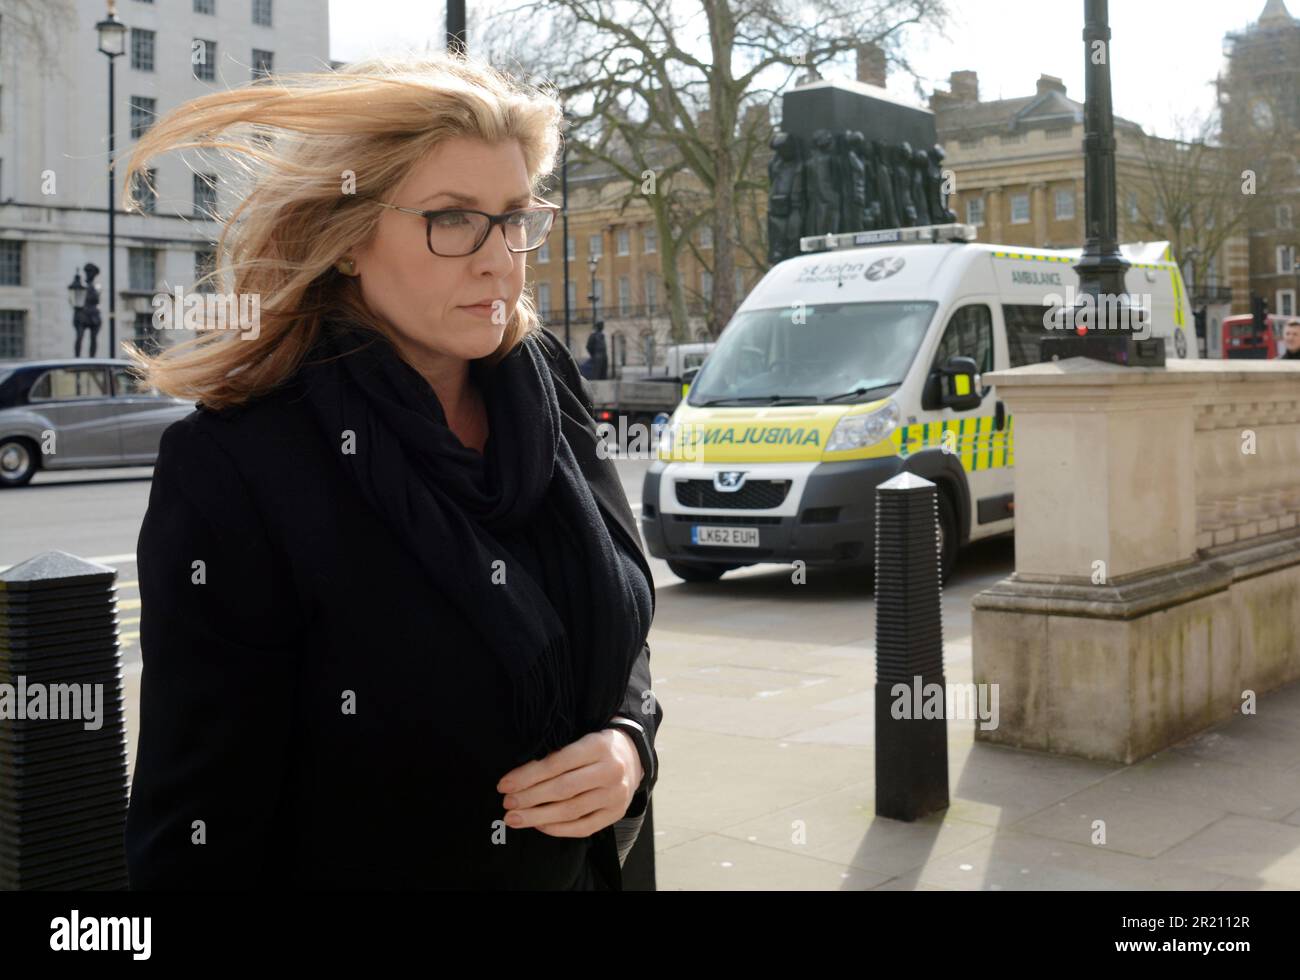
<point x="1211" y="294"/>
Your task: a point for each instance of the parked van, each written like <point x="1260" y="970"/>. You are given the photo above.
<point x="846" y="366"/>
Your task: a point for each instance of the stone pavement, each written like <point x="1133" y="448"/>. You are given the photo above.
<point x="768" y="722"/>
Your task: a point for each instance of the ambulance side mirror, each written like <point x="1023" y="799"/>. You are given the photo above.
<point x="959" y="387"/>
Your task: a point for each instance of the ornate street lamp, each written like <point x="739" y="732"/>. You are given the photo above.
<point x="1101" y="270"/>
<point x="593" y="261"/>
<point x="112" y="44"/>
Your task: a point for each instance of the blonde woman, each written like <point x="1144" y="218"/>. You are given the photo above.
<point x="394" y="602"/>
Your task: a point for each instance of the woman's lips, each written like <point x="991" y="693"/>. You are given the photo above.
<point x="481" y="309"/>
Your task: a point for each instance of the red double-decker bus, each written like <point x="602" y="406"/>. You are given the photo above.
<point x="1244" y="340"/>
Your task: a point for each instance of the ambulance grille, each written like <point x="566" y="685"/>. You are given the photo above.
<point x="753" y="495"/>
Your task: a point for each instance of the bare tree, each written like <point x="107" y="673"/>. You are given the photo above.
<point x="1201" y="193"/>
<point x="34" y="27"/>
<point x="662" y="94"/>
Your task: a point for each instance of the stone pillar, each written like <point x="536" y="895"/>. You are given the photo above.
<point x="1157" y="553"/>
<point x="993" y="205"/>
<point x="1038" y="205"/>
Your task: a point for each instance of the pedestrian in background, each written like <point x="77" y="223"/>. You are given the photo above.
<point x="394" y="603"/>
<point x="1291" y="340"/>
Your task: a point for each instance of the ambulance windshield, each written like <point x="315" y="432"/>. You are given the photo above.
<point x="842" y="352"/>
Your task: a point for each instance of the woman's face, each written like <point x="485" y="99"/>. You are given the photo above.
<point x="423" y="296"/>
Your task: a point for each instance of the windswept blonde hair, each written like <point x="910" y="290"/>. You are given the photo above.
<point x="293" y="141"/>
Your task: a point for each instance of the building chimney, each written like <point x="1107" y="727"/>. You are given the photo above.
<point x="872" y="64"/>
<point x="965" y="86"/>
<point x="1050" y="83"/>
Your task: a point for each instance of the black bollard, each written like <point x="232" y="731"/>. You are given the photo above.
<point x="911" y="749"/>
<point x="63" y="773"/>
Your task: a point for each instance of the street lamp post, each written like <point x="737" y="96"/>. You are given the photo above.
<point x="456" y="40"/>
<point x="77" y="300"/>
<point x="593" y="261"/>
<point x="1102" y="267"/>
<point x="112" y="43"/>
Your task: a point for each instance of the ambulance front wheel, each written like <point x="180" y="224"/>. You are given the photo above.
<point x="696" y="573"/>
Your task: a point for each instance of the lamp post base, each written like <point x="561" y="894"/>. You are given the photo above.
<point x="1122" y="348"/>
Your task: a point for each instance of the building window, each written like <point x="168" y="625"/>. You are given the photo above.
<point x="143" y="112"/>
<point x="1285" y="260"/>
<point x="596" y="245"/>
<point x="651" y="237"/>
<point x="146" y="334"/>
<point x="263" y="63"/>
<point x="142" y="49"/>
<point x="144" y="188"/>
<point x="1286" y="302"/>
<point x="13" y="333"/>
<point x="975" y="211"/>
<point x="1020" y="209"/>
<point x="1010" y="138"/>
<point x="205" y="6"/>
<point x="1132" y="206"/>
<point x="1065" y="205"/>
<point x="573" y="295"/>
<point x="1284" y="216"/>
<point x="205" y="195"/>
<point x="142" y="269"/>
<point x="706" y="237"/>
<point x="203" y="56"/>
<point x="11" y="263"/>
<point x="651" y="292"/>
<point x="544" y="253"/>
<point x="573" y="249"/>
<point x="544" y="298"/>
<point x="205" y="261"/>
<point x="740" y="284"/>
<point x="706" y="284"/>
<point x="1059" y="133"/>
<point x="624" y="241"/>
<point x="262" y="12"/>
<point x="624" y="295"/>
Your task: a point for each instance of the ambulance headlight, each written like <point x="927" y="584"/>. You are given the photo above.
<point x="859" y="431"/>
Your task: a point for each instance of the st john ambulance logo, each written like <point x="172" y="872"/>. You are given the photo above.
<point x="884" y="268"/>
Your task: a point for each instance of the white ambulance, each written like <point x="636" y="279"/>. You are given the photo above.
<point x="844" y="367"/>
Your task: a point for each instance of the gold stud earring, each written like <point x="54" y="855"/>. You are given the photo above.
<point x="346" y="266"/>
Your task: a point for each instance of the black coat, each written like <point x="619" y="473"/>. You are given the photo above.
<point x="307" y="595"/>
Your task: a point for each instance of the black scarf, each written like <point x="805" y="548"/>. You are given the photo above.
<point x="567" y="644"/>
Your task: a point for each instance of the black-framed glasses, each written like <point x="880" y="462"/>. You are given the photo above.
<point x="455" y="232"/>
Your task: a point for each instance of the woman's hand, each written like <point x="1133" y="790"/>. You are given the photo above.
<point x="577" y="790"/>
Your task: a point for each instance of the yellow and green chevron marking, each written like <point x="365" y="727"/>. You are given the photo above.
<point x="974" y="441"/>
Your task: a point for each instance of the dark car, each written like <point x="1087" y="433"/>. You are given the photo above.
<point x="74" y="414"/>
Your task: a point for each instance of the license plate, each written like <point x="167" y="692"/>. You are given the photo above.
<point x="728" y="537"/>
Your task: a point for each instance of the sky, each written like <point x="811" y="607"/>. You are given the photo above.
<point x="1165" y="53"/>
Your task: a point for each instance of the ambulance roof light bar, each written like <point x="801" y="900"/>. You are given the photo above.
<point x="888" y="236"/>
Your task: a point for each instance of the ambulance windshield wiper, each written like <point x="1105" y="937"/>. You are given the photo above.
<point x="856" y="392"/>
<point x="766" y="399"/>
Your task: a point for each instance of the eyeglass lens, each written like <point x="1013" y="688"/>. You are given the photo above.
<point x="460" y="232"/>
